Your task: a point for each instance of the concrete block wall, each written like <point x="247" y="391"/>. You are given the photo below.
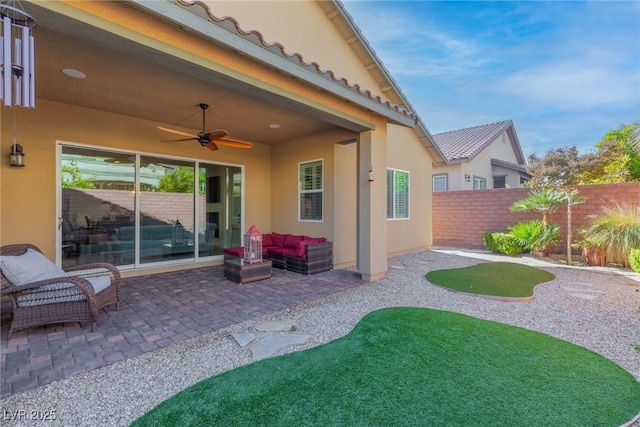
<point x="460" y="218"/>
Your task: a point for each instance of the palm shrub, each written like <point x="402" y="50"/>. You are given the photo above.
<point x="535" y="236"/>
<point x="546" y="202"/>
<point x="615" y="233"/>
<point x="634" y="259"/>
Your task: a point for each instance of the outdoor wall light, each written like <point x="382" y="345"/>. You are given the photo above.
<point x="467" y="177"/>
<point x="16" y="156"/>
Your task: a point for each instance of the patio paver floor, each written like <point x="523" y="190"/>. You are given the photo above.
<point x="156" y="311"/>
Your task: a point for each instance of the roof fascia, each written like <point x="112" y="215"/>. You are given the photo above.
<point x="171" y="11"/>
<point x="421" y="129"/>
<point x="515" y="144"/>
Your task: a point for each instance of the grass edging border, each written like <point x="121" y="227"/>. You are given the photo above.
<point x="632" y="421"/>
<point x="492" y="297"/>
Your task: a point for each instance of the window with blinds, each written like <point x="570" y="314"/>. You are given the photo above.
<point x="310" y="191"/>
<point x="439" y="182"/>
<point x="397" y="194"/>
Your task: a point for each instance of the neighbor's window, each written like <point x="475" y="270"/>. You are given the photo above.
<point x="499" y="182"/>
<point x="439" y="182"/>
<point x="310" y="191"/>
<point x="479" y="183"/>
<point x="397" y="194"/>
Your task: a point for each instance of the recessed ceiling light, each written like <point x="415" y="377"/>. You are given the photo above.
<point x="74" y="73"/>
<point x="274" y="126"/>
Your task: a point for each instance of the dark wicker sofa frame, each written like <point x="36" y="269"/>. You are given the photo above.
<point x="58" y="312"/>
<point x="318" y="257"/>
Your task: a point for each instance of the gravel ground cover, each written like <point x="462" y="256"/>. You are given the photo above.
<point x="594" y="308"/>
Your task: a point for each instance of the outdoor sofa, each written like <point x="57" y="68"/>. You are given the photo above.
<point x="301" y="254"/>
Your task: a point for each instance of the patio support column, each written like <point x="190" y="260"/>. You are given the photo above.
<point x="372" y="203"/>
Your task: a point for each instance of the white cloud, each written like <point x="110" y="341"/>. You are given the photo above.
<point x="572" y="85"/>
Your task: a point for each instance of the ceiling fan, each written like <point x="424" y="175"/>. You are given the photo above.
<point x="211" y="139"/>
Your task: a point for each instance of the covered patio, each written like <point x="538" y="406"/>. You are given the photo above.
<point x="156" y="311"/>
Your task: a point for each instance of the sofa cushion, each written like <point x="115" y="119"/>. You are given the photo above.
<point x="291" y="240"/>
<point x="267" y="241"/>
<point x="62" y="292"/>
<point x="238" y="252"/>
<point x="29" y="267"/>
<point x="283" y="251"/>
<point x="277" y="239"/>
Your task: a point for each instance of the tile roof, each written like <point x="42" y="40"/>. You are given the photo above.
<point x="231" y="25"/>
<point x="464" y="144"/>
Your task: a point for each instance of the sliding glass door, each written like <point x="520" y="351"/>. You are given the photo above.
<point x="167" y="211"/>
<point x="134" y="210"/>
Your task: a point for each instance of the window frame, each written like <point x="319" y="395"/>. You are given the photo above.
<point x="312" y="191"/>
<point x="500" y="177"/>
<point x="394" y="211"/>
<point x="446" y="182"/>
<point x="479" y="179"/>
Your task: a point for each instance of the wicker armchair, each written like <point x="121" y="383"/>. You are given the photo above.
<point x="77" y="296"/>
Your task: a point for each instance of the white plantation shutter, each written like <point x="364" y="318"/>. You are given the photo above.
<point x="390" y="193"/>
<point x="397" y="194"/>
<point x="310" y="191"/>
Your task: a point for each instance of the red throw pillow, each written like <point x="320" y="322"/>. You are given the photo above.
<point x="291" y="240"/>
<point x="266" y="240"/>
<point x="277" y="239"/>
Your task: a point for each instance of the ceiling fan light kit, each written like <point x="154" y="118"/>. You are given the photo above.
<point x="211" y="139"/>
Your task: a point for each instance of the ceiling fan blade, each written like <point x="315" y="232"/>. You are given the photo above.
<point x="181" y="139"/>
<point x="215" y="134"/>
<point x="212" y="146"/>
<point x="177" y="132"/>
<point x="234" y="142"/>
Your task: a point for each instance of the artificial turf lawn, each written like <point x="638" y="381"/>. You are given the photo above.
<point x="414" y="366"/>
<point x="503" y="279"/>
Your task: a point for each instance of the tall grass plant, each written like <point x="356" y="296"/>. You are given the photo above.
<point x="615" y="233"/>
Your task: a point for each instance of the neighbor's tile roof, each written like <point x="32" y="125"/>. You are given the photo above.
<point x="231" y="25"/>
<point x="465" y="144"/>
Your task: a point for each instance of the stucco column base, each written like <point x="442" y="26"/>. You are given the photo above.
<point x="373" y="277"/>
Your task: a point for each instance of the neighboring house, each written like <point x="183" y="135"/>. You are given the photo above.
<point x="109" y="73"/>
<point x="479" y="157"/>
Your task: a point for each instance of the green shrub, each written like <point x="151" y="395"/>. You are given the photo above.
<point x="489" y="243"/>
<point x="615" y="232"/>
<point x="501" y="242"/>
<point x="634" y="259"/>
<point x="507" y="244"/>
<point x="533" y="235"/>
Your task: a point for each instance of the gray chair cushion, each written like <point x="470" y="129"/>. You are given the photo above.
<point x="29" y="267"/>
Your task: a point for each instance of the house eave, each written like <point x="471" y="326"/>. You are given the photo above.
<point x="196" y="17"/>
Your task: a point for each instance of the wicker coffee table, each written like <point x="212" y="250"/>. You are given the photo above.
<point x="240" y="272"/>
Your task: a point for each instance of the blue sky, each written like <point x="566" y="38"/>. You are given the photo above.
<point x="565" y="72"/>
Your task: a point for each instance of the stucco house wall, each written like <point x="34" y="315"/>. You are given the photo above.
<point x="302" y="27"/>
<point x="480" y="166"/>
<point x="28" y="207"/>
<point x="354" y="210"/>
<point x="406" y="153"/>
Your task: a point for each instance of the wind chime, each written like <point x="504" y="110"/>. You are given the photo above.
<point x="17" y="49"/>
